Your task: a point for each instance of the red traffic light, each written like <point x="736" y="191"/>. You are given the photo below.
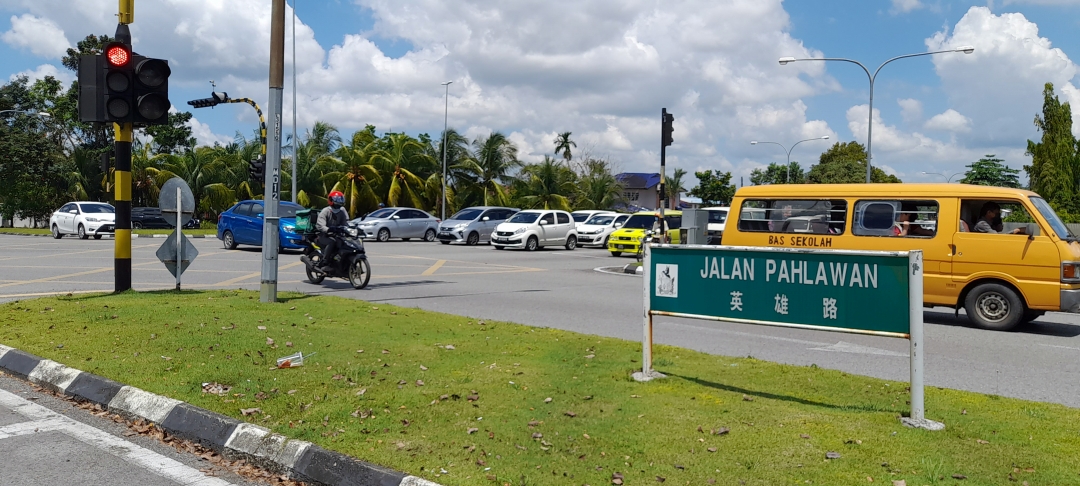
<point x="118" y="54"/>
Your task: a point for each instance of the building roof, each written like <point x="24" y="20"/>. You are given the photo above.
<point x="638" y="180"/>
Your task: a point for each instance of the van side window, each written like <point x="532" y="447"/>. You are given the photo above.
<point x="813" y="216"/>
<point x="1000" y="216"/>
<point x="901" y="218"/>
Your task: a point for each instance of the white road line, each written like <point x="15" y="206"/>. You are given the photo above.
<point x="1059" y="347"/>
<point x="43" y="419"/>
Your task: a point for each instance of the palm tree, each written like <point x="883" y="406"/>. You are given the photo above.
<point x="674" y="186"/>
<point x="354" y="173"/>
<point x="403" y="165"/>
<point x="598" y="188"/>
<point x="481" y="179"/>
<point x="314" y="158"/>
<point x="563" y="144"/>
<point x="146" y="177"/>
<point x="457" y="152"/>
<point x="547" y="185"/>
<point x="206" y="174"/>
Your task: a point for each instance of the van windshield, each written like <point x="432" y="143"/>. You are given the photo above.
<point x="1051" y="217"/>
<point x="467" y="214"/>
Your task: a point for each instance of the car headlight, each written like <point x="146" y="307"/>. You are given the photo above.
<point x="92" y="220"/>
<point x="289" y="228"/>
<point x="519" y="231"/>
<point x="461" y="226"/>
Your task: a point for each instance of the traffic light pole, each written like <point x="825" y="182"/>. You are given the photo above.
<point x="122" y="175"/>
<point x="271" y="193"/>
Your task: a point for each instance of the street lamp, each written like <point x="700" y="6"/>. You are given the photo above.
<point x="446" y="113"/>
<point x="294" y="157"/>
<point x="870" y="127"/>
<point x="948" y="179"/>
<point x="44" y="114"/>
<point x="788" y="177"/>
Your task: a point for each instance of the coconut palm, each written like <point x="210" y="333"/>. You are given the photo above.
<point x="546" y="185"/>
<point x="457" y="152"/>
<point x="314" y="158"/>
<point x="403" y="165"/>
<point x="482" y="178"/>
<point x="354" y="174"/>
<point x="598" y="188"/>
<point x="146" y="177"/>
<point x="205" y="172"/>
<point x="674" y="185"/>
<point x="563" y="144"/>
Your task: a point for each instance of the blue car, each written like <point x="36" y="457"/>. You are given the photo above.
<point x="242" y="224"/>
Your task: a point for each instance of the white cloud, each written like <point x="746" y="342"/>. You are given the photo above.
<point x="204" y="135"/>
<point x="905" y="6"/>
<point x="40" y="36"/>
<point x="911" y="110"/>
<point x="949" y="121"/>
<point x="65" y="77"/>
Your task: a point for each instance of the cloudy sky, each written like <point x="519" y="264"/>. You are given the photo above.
<point x="603" y="69"/>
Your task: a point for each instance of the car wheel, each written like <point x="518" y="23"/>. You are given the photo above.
<point x="383" y="235"/>
<point x="571" y="242"/>
<point x="136" y="225"/>
<point x="497" y="247"/>
<point x="532" y="244"/>
<point x="82" y="233"/>
<point x="604" y="245"/>
<point x="56" y="232"/>
<point x="473" y="239"/>
<point x="445" y="242"/>
<point x="616" y="253"/>
<point x="429" y="235"/>
<point x="313" y="276"/>
<point x="228" y="240"/>
<point x="994" y="306"/>
<point x="360" y="273"/>
<point x="97" y="237"/>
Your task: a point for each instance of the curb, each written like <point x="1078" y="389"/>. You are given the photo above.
<point x="227" y="436"/>
<point x="622" y="270"/>
<point x="133" y="235"/>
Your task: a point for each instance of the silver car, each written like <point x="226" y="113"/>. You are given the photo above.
<point x="404" y="223"/>
<point x="473" y="225"/>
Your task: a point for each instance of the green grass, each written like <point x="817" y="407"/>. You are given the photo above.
<point x="782" y="419"/>
<point x="45" y="231"/>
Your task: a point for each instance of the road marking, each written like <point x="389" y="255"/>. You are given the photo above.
<point x="44" y="420"/>
<point x="78" y="274"/>
<point x="844" y="347"/>
<point x="433" y="268"/>
<point x="1060" y="347"/>
<point x="253" y="275"/>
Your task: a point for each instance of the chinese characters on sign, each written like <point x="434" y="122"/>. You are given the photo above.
<point x="781" y="304"/>
<point x="736" y="301"/>
<point x="829" y="308"/>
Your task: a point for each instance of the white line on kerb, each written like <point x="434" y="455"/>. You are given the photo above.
<point x="44" y="419"/>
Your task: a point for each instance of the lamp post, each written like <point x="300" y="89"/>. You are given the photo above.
<point x="446" y="113"/>
<point x="787" y="179"/>
<point x="870" y="127"/>
<point x="294" y="155"/>
<point x="948" y="179"/>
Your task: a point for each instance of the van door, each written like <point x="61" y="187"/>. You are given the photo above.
<point x="1029" y="262"/>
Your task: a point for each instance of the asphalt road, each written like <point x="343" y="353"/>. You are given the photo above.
<point x="561" y="289"/>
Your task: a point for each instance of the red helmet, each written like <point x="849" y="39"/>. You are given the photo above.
<point x="336" y="198"/>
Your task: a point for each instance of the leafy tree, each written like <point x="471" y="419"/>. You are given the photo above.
<point x="32" y="173"/>
<point x="714" y="188"/>
<point x="91" y="44"/>
<point x="356" y="176"/>
<point x="546" y="185"/>
<point x="1054" y="163"/>
<point x="403" y="165"/>
<point x="314" y="158"/>
<point x="845" y="163"/>
<point x="173" y="137"/>
<point x="206" y="173"/>
<point x="674" y="186"/>
<point x="990" y="171"/>
<point x="563" y="144"/>
<point x="778" y="174"/>
<point x="485" y="175"/>
<point x="597" y="187"/>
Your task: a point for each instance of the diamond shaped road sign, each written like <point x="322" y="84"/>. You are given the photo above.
<point x="167" y="252"/>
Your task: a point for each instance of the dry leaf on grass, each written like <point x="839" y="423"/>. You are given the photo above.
<point x="472" y="430"/>
<point x="249" y="411"/>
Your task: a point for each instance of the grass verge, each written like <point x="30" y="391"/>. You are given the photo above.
<point x="45" y="231"/>
<point x="462" y="401"/>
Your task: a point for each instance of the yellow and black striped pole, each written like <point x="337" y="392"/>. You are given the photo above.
<point x="122" y="175"/>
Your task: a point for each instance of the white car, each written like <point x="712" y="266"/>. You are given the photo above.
<point x="717" y="220"/>
<point x="83" y="218"/>
<point x="536" y="228"/>
<point x="583" y="215"/>
<point x="594" y="232"/>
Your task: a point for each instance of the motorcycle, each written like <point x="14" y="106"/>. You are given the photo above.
<point x="350" y="262"/>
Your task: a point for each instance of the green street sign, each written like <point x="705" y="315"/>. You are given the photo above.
<point x="864" y="292"/>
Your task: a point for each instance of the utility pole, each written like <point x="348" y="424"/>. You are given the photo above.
<point x="666" y="129"/>
<point x="272" y="193"/>
<point x="123" y="134"/>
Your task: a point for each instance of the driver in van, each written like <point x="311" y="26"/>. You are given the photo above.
<point x="990" y="215"/>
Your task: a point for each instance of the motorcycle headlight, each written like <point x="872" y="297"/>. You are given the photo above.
<point x="519" y="231"/>
<point x="352" y="232"/>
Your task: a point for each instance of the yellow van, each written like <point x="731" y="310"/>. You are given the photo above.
<point x="628" y="237"/>
<point x="1001" y="274"/>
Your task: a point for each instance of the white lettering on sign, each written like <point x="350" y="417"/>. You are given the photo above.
<point x="799" y="272"/>
<point x="718" y="268"/>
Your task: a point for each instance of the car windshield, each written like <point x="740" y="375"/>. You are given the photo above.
<point x="287" y="210"/>
<point x="601" y="219"/>
<point x="97" y="208"/>
<point x="467" y="214"/>
<point x="524" y="217"/>
<point x="1051" y="217"/>
<point x="382" y="213"/>
<point x="640" y="221"/>
<point x="717" y="216"/>
<point x="581" y="217"/>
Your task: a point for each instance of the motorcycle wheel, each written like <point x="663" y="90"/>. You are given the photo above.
<point x="359" y="273"/>
<point x="312" y="275"/>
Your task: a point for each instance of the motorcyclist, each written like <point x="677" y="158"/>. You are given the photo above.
<point x="330" y="219"/>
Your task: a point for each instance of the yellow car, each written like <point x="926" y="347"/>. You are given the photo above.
<point x="628" y="237"/>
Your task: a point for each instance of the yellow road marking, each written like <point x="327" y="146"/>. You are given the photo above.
<point x="78" y="274"/>
<point x="433" y="268"/>
<point x="254" y="274"/>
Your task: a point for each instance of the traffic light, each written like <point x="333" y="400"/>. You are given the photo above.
<point x="117" y="92"/>
<point x="667" y="128"/>
<point x="257" y="169"/>
<point x="151" y="91"/>
<point x="214" y="99"/>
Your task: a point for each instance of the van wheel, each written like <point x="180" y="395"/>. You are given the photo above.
<point x="994" y="306"/>
<point x="1031" y="315"/>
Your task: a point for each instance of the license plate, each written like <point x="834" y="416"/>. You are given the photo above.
<point x="498" y="240"/>
<point x="621" y="247"/>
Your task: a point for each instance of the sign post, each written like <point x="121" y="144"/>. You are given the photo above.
<point x="860" y="292"/>
<point x="172" y="253"/>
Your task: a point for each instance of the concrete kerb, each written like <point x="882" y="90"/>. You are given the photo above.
<point x="630" y="270"/>
<point x="227" y="436"/>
